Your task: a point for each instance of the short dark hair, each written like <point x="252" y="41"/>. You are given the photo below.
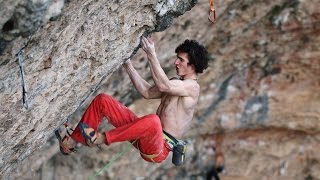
<point x="198" y="55"/>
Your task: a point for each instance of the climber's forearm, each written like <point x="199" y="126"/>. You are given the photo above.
<point x="142" y="86"/>
<point x="159" y="77"/>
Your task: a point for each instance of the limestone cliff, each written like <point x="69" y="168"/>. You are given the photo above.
<point x="64" y="60"/>
<point x="260" y="98"/>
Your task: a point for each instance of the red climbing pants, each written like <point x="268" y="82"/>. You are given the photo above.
<point x="147" y="130"/>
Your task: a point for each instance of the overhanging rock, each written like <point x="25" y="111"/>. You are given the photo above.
<point x="64" y="61"/>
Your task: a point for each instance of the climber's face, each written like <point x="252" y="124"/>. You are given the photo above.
<point x="182" y="67"/>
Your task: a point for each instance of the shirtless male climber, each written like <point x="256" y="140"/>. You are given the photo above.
<point x="154" y="135"/>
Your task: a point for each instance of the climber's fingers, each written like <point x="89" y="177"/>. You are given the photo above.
<point x="147" y="45"/>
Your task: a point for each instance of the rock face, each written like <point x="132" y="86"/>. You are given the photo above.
<point x="22" y="18"/>
<point x="65" y="61"/>
<point x="260" y="99"/>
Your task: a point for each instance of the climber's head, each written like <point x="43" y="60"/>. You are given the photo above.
<point x="197" y="54"/>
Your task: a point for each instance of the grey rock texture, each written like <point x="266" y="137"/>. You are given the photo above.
<point x="65" y="61"/>
<point x="23" y="18"/>
<point x="259" y="98"/>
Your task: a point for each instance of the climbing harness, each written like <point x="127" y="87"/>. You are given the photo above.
<point x="212" y="12"/>
<point x="24" y="92"/>
<point x="178" y="147"/>
<point x="149" y="156"/>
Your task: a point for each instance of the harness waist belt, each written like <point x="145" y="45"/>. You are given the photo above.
<point x="172" y="141"/>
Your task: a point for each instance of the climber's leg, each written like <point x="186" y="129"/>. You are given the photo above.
<point x="101" y="106"/>
<point x="148" y="133"/>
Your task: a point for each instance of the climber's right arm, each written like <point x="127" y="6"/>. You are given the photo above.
<point x="147" y="90"/>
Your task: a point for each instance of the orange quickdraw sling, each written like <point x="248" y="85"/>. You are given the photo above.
<point x="212" y="12"/>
